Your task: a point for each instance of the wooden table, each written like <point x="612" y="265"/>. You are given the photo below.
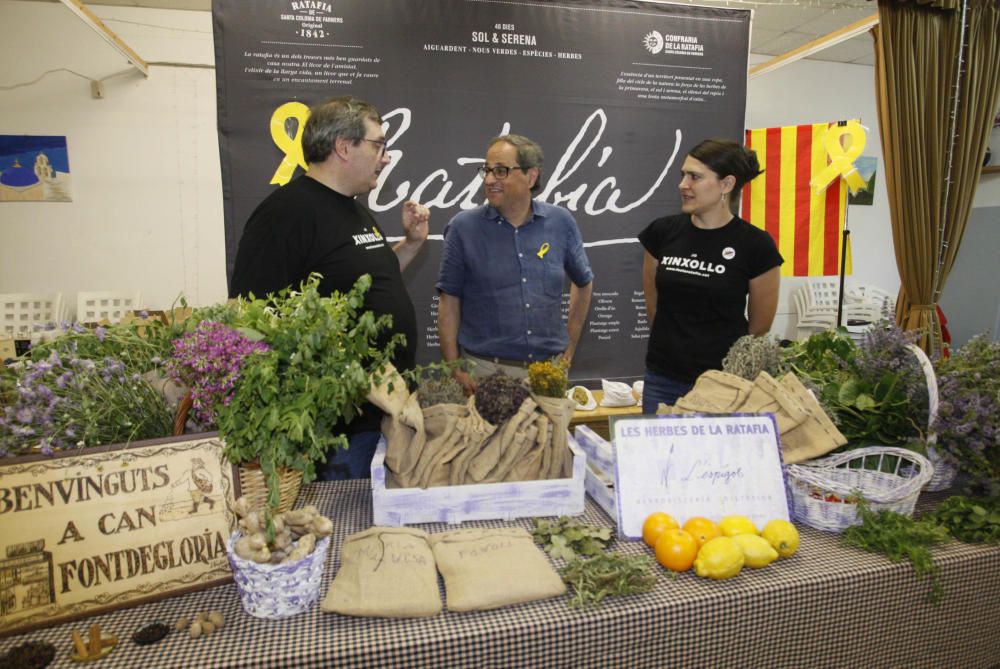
<point x="597" y="418"/>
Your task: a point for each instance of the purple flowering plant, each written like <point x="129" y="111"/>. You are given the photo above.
<point x="968" y="416"/>
<point x="208" y="360"/>
<point x="62" y="402"/>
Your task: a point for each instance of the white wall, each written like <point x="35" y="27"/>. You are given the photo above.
<point x="146" y="186"/>
<point x="147" y="195"/>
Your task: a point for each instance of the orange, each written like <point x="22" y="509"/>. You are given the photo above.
<point x="676" y="549"/>
<point x="656" y="523"/>
<point x="702" y="529"/>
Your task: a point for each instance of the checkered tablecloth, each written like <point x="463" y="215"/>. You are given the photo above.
<point x="828" y="606"/>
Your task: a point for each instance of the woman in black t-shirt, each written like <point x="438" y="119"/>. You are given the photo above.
<point x="709" y="276"/>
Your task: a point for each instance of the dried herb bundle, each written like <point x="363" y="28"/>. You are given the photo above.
<point x="608" y="575"/>
<point x="498" y="397"/>
<point x="549" y="378"/>
<point x="750" y="355"/>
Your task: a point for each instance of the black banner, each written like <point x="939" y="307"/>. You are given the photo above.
<point x="615" y="93"/>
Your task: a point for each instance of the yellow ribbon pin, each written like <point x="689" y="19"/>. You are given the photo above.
<point x="543" y="249"/>
<point x="291" y="146"/>
<point x="842" y="160"/>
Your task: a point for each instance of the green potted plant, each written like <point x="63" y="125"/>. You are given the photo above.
<point x="319" y="369"/>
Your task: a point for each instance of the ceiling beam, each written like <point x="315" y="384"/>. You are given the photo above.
<point x="105" y="33"/>
<point x="809" y="48"/>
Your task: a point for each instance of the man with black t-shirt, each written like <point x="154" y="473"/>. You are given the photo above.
<point x="315" y="224"/>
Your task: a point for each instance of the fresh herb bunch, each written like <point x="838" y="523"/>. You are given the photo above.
<point x="897" y="536"/>
<point x="969" y="519"/>
<point x="435" y="383"/>
<point x="208" y="360"/>
<point x="875" y="392"/>
<point x="73" y="402"/>
<point x="750" y="355"/>
<point x="499" y="396"/>
<point x="288" y="401"/>
<point x="607" y="575"/>
<point x="548" y="378"/>
<point x="968" y="416"/>
<point x="567" y="539"/>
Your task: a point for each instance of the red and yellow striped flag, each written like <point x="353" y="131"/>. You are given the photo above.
<point x="807" y="227"/>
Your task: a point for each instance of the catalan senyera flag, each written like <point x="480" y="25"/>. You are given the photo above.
<point x="807" y="227"/>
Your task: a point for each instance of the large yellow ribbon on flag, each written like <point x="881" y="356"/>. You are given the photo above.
<point x="291" y="146"/>
<point x="842" y="160"/>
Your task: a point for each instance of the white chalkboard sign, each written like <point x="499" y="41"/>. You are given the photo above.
<point x="711" y="466"/>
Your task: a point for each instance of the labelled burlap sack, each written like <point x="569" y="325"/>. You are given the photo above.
<point x="560" y="412"/>
<point x="477" y="430"/>
<point x="442" y="436"/>
<point x="387" y="572"/>
<point x="813" y="437"/>
<point x="485" y="462"/>
<point x="768" y="396"/>
<point x="487" y="568"/>
<point x="531" y="466"/>
<point x="405" y="439"/>
<point x="715" y="391"/>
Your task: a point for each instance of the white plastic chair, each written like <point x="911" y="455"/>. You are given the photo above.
<point x="94" y="307"/>
<point x="20" y="313"/>
<point x="811" y="319"/>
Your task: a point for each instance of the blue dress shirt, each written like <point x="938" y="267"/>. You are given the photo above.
<point x="510" y="280"/>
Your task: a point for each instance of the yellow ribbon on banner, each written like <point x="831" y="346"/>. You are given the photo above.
<point x="842" y="160"/>
<point x="291" y="146"/>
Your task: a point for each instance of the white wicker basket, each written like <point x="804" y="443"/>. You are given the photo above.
<point x="275" y="591"/>
<point x="888" y="478"/>
<point x="944" y="472"/>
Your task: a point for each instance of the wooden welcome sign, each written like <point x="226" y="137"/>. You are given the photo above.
<point x="694" y="465"/>
<point x="111" y="526"/>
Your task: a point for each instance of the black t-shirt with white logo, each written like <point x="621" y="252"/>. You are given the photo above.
<point x="307" y="227"/>
<point x="702" y="282"/>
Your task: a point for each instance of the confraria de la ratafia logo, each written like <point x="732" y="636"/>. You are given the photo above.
<point x="656" y="42"/>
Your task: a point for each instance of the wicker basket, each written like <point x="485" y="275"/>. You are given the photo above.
<point x="275" y="591"/>
<point x="944" y="472"/>
<point x="253" y="486"/>
<point x="888" y="478"/>
<point x="252" y="482"/>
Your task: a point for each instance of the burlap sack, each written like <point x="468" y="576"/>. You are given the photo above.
<point x="768" y="396"/>
<point x="531" y="465"/>
<point x="715" y="391"/>
<point x="489" y="568"/>
<point x="485" y="462"/>
<point x="405" y="439"/>
<point x="387" y="572"/>
<point x="813" y="437"/>
<point x="524" y="440"/>
<point x="390" y="393"/>
<point x="441" y="426"/>
<point x="560" y="412"/>
<point x="477" y="430"/>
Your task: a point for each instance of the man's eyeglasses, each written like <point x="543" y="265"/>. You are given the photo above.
<point x="380" y="143"/>
<point x="499" y="171"/>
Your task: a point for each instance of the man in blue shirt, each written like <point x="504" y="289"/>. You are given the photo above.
<point x="503" y="270"/>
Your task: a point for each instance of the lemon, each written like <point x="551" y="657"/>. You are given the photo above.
<point x="734" y="525"/>
<point x="719" y="558"/>
<point x="757" y="552"/>
<point x="783" y="536"/>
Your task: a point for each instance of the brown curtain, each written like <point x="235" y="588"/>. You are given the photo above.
<point x="932" y="159"/>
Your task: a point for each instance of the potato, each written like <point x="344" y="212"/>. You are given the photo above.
<point x="217" y="619"/>
<point x="181" y="624"/>
<point x="207" y="628"/>
<point x="195" y="630"/>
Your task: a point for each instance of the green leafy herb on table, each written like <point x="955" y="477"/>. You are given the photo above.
<point x="290" y="400"/>
<point x="565" y="538"/>
<point x="607" y="575"/>
<point x="969" y="519"/>
<point x="897" y="537"/>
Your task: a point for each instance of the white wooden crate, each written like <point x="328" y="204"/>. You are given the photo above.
<point x="485" y="501"/>
<point x="600" y="475"/>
